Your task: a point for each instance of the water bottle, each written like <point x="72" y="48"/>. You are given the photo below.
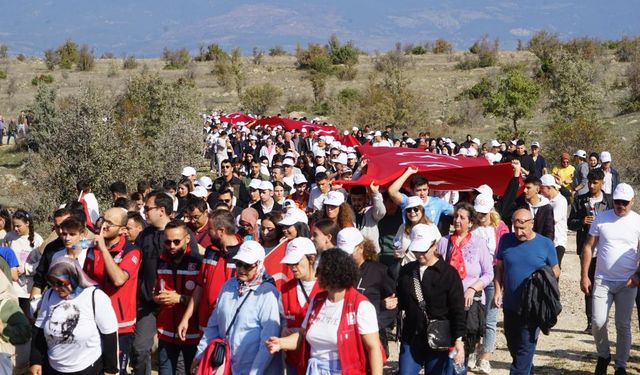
<point x="458" y="368"/>
<point x="85" y="243"/>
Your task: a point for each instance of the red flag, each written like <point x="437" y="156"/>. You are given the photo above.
<point x="280" y="272"/>
<point x="237" y="117"/>
<point x="350" y="141"/>
<point x="386" y="164"/>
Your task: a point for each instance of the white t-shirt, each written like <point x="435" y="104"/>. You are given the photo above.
<point x="81" y="256"/>
<point x="71" y="328"/>
<point x="382" y="143"/>
<point x="323" y="334"/>
<point x="29" y="258"/>
<point x="316" y="198"/>
<point x="606" y="186"/>
<point x="559" y="204"/>
<point x="308" y="286"/>
<point x="618" y="239"/>
<point x="488" y="233"/>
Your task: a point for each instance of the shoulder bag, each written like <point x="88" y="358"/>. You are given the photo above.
<point x="438" y="330"/>
<point x="220" y="350"/>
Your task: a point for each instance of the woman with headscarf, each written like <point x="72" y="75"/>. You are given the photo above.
<point x="76" y="329"/>
<point x="15" y="328"/>
<point x="246" y="314"/>
<point x="248" y="224"/>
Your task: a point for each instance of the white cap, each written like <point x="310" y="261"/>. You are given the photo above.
<point x="346" y="132"/>
<point x="483" y="203"/>
<point x="623" y="192"/>
<point x="580" y="153"/>
<point x="484" y="189"/>
<point x="334" y="198"/>
<point x="188" y="171"/>
<point x="255" y="183"/>
<point x="348" y="239"/>
<point x="319" y="153"/>
<point x="253" y="137"/>
<point x="462" y="151"/>
<point x="549" y="180"/>
<point x="294" y="215"/>
<point x="377" y="133"/>
<point x="342" y="159"/>
<point x="265" y="185"/>
<point x="297" y="249"/>
<point x="352" y="156"/>
<point x="199" y="192"/>
<point x="354" y="129"/>
<point x="250" y="252"/>
<point x="472" y="152"/>
<point x="351" y="150"/>
<point x="328" y="138"/>
<point x="422" y="237"/>
<point x="410" y="141"/>
<point x="287" y="161"/>
<point x="605" y="157"/>
<point x="205" y="182"/>
<point x="303" y="130"/>
<point x="476" y="141"/>
<point x="299" y="179"/>
<point x="336" y="145"/>
<point x="491" y="157"/>
<point x="495" y="143"/>
<point x="414" y="201"/>
<point x="344" y="148"/>
<point x="535" y="144"/>
<point x="320" y="169"/>
<point x="290" y="155"/>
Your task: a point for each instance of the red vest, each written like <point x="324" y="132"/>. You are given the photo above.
<point x="123" y="298"/>
<point x="182" y="278"/>
<point x="294" y="314"/>
<point x="353" y="358"/>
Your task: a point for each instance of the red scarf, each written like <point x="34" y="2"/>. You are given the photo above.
<point x="457" y="260"/>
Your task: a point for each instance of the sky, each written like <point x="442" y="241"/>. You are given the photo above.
<point x="144" y="27"/>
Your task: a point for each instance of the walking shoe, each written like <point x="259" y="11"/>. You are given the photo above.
<point x="601" y="366"/>
<point x="471" y="361"/>
<point x="484" y="367"/>
<point x="620" y="371"/>
<point x="587" y="331"/>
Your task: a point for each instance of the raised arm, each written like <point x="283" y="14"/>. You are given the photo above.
<point x="394" y="188"/>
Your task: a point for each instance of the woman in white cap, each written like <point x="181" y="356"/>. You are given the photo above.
<point x="491" y="228"/>
<point x="413" y="215"/>
<point x="294" y="224"/>
<point x="336" y="209"/>
<point x="246" y="314"/>
<point x="339" y="334"/>
<point x="301" y="258"/>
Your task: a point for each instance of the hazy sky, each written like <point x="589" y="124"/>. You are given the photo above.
<point x="145" y="27"/>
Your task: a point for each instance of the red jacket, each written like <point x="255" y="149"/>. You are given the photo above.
<point x="182" y="278"/>
<point x="202" y="235"/>
<point x="294" y="313"/>
<point x="353" y="358"/>
<point x="123" y="298"/>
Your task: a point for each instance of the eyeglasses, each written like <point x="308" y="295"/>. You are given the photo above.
<point x="226" y="167"/>
<point x="413" y="209"/>
<point x="57" y="283"/>
<point x="521" y="222"/>
<point x="149" y="209"/>
<point x="620" y="202"/>
<point x="108" y="225"/>
<point x="245" y="266"/>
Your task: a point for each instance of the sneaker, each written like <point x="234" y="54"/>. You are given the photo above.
<point x="601" y="366"/>
<point x="587" y="331"/>
<point x="484" y="367"/>
<point x="620" y="371"/>
<point x="471" y="361"/>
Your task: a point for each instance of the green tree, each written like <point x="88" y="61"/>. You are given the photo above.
<point x="86" y="59"/>
<point x="631" y="103"/>
<point x="67" y="54"/>
<point x="51" y="59"/>
<point x="176" y="59"/>
<point x="544" y="45"/>
<point x="580" y="133"/>
<point x="258" y="99"/>
<point x="277" y="51"/>
<point x="441" y="45"/>
<point x="237" y="70"/>
<point x="514" y="98"/>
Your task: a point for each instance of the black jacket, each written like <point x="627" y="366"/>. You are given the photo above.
<point x="443" y="294"/>
<point x="40" y="276"/>
<point x="540" y="304"/>
<point x="258" y="207"/>
<point x="376" y="283"/>
<point x="543" y="222"/>
<point x="581" y="209"/>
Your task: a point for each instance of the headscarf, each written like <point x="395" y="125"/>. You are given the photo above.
<point x="67" y="268"/>
<point x="259" y="278"/>
<point x="6" y="288"/>
<point x="250" y="216"/>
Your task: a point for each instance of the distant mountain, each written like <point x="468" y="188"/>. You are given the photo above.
<point x="145" y="27"/>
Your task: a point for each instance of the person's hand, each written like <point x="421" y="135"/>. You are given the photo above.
<point x="98" y="240"/>
<point x="195" y="364"/>
<point x="459" y="358"/>
<point x="391" y="302"/>
<point x="363" y="163"/>
<point x="468" y="297"/>
<point x="168" y="297"/>
<point x="273" y="344"/>
<point x="35" y="370"/>
<point x="517" y="167"/>
<point x="411" y="170"/>
<point x="497" y="300"/>
<point x="587" y="220"/>
<point x="375" y="189"/>
<point x="585" y="285"/>
<point x="634" y="281"/>
<point x="182" y="329"/>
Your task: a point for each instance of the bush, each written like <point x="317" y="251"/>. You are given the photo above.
<point x="631" y="103"/>
<point x="86" y="59"/>
<point x="578" y="134"/>
<point x="222" y="72"/>
<point x="277" y="51"/>
<point x="346" y="72"/>
<point x="341" y="54"/>
<point x="12" y="87"/>
<point x="480" y="90"/>
<point x="108" y="55"/>
<point x="113" y="70"/>
<point x="256" y="56"/>
<point x="315" y="57"/>
<point x="418" y="50"/>
<point x="442" y="46"/>
<point x="484" y="53"/>
<point x="213" y="52"/>
<point x="258" y="99"/>
<point x="67" y="54"/>
<point x="4" y="51"/>
<point x="544" y="45"/>
<point x="42" y="78"/>
<point x="628" y="49"/>
<point x="51" y="59"/>
<point x="3" y="74"/>
<point x="178" y="59"/>
<point x="21" y="57"/>
<point x="296" y="104"/>
<point x="586" y="48"/>
<point x="129" y="62"/>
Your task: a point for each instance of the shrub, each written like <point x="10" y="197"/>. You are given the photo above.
<point x="346" y="72"/>
<point x="480" y="90"/>
<point x="213" y="52"/>
<point x="3" y="74"/>
<point x="237" y="70"/>
<point x="586" y="48"/>
<point x="315" y="57"/>
<point x="222" y="72"/>
<point x="12" y="87"/>
<point x="129" y="62"/>
<point x="108" y="55"/>
<point x="42" y="78"/>
<point x="341" y="54"/>
<point x="442" y="46"/>
<point x="67" y="54"/>
<point x="277" y="51"/>
<point x="51" y="59"/>
<point x="4" y="51"/>
<point x="484" y="53"/>
<point x="258" y="99"/>
<point x="113" y="70"/>
<point x="581" y="133"/>
<point x="418" y="50"/>
<point x="544" y="44"/>
<point x="176" y="59"/>
<point x="631" y="103"/>
<point x="628" y="49"/>
<point x="21" y="57"/>
<point x="86" y="59"/>
<point x="256" y="56"/>
<point x="296" y="104"/>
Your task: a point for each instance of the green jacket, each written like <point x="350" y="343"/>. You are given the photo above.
<point x="16" y="328"/>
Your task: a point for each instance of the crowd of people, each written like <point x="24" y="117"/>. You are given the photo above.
<point x="189" y="262"/>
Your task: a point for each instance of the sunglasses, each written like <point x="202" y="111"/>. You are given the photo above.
<point x="246" y="266"/>
<point x="58" y="283"/>
<point x="620" y="202"/>
<point x="413" y="209"/>
<point x="174" y="242"/>
<point x="226" y="167"/>
<point x="225" y="200"/>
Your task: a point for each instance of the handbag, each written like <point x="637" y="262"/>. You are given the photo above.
<point x="438" y="330"/>
<point x="220" y="349"/>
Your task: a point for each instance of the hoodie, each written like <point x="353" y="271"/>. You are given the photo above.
<point x="542" y="213"/>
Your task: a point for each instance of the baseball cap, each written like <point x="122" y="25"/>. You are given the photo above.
<point x="303" y="130"/>
<point x="484" y="189"/>
<point x="351" y="156"/>
<point x="535" y="144"/>
<point x="334" y="198"/>
<point x="199" y="192"/>
<point x="414" y="201"/>
<point x="336" y="145"/>
<point x="354" y="129"/>
<point x="188" y="171"/>
<point x="346" y="132"/>
<point x="265" y="185"/>
<point x="320" y="169"/>
<point x="581" y="153"/>
<point x="287" y="161"/>
<point x="250" y="252"/>
<point x="297" y="249"/>
<point x="299" y="179"/>
<point x="348" y="239"/>
<point x="623" y="192"/>
<point x="377" y="134"/>
<point x="255" y="183"/>
<point x="422" y="237"/>
<point x="605" y="157"/>
<point x="205" y="182"/>
<point x="476" y="141"/>
<point x="294" y="215"/>
<point x="483" y="203"/>
<point x="549" y="180"/>
<point x="317" y="153"/>
<point x="342" y="159"/>
<point x="495" y="143"/>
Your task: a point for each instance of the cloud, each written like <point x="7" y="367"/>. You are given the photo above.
<point x="518" y="31"/>
<point x="448" y="20"/>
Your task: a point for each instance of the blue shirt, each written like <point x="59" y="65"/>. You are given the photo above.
<point x="9" y="256"/>
<point x="519" y="260"/>
<point x="433" y="208"/>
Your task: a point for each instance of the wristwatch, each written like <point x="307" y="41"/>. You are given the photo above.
<point x="183" y="299"/>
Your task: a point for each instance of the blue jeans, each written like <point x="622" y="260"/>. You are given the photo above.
<point x="168" y="355"/>
<point x="434" y="363"/>
<point x="521" y="341"/>
<point x="489" y="340"/>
